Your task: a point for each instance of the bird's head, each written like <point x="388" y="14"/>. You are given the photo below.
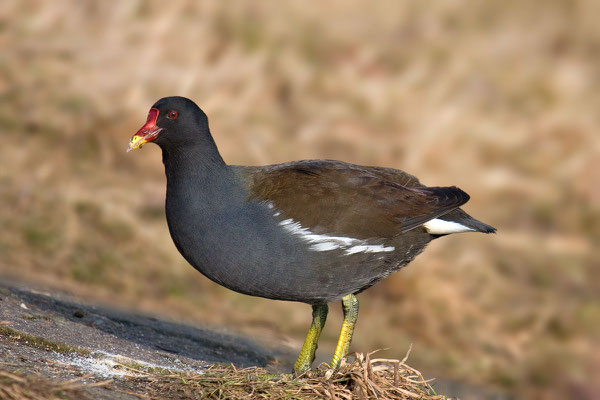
<point x="171" y="121"/>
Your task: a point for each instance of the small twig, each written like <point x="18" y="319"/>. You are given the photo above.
<point x="406" y="356"/>
<point x="12" y="376"/>
<point x="141" y="396"/>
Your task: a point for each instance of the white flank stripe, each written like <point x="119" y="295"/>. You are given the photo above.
<point x="369" y="249"/>
<point x="327" y="243"/>
<point x="440" y="227"/>
<point x="325" y="246"/>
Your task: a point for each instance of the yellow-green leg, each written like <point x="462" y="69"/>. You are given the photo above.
<point x="307" y="354"/>
<point x="350" y="308"/>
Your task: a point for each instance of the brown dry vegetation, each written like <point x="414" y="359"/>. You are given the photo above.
<point x="499" y="98"/>
<point x="363" y="378"/>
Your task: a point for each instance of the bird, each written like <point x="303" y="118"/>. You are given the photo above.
<point x="310" y="231"/>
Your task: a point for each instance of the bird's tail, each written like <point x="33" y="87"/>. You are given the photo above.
<point x="461" y="217"/>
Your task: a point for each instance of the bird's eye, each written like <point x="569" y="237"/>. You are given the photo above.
<point x="172" y="115"/>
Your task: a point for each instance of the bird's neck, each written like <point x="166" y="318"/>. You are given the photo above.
<point x="198" y="177"/>
<point x="184" y="155"/>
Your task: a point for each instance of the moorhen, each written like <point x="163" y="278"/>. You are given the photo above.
<point x="312" y="231"/>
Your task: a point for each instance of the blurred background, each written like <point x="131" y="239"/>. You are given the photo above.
<point x="499" y="98"/>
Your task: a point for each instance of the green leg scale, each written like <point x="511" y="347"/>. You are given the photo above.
<point x="307" y="354"/>
<point x="350" y="308"/>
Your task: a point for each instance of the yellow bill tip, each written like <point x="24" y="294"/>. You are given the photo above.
<point x="136" y="143"/>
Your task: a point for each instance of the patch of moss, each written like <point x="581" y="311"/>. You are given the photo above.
<point x="41" y="343"/>
<point x="155" y="370"/>
<point x="34" y="317"/>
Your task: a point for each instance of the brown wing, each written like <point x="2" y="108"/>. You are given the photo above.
<point x="336" y="198"/>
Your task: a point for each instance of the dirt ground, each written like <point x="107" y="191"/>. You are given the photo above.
<point x="107" y="352"/>
<point x="56" y="337"/>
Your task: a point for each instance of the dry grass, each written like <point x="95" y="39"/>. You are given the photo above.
<point x="363" y="378"/>
<point x="500" y="99"/>
<point x="18" y="386"/>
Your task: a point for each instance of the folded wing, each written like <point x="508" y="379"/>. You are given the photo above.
<point x="336" y="198"/>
